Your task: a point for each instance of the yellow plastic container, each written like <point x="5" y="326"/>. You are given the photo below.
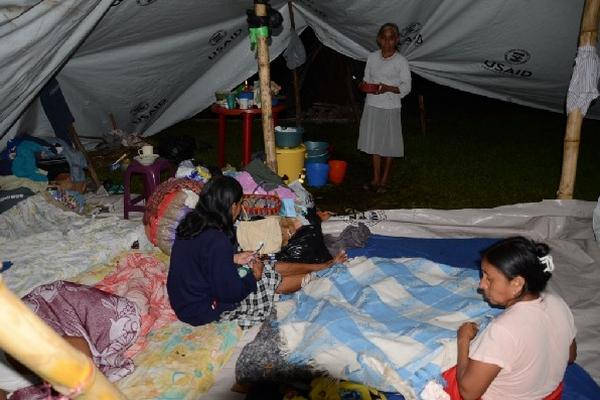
<point x="290" y="162"/>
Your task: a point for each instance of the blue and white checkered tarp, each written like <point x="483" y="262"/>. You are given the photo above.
<point x="387" y="323"/>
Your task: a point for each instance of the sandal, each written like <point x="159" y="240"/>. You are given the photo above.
<point x="369" y="187"/>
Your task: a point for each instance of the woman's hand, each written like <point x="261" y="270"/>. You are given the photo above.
<point x="257" y="268"/>
<point x="383" y="88"/>
<point x="467" y="331"/>
<point x="340" y="257"/>
<point x="244" y="257"/>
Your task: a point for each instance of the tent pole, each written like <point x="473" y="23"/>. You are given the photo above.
<point x="34" y="344"/>
<point x="295" y="74"/>
<point x="350" y="87"/>
<point x="264" y="75"/>
<point x="422" y="114"/>
<point x="79" y="146"/>
<point x="588" y="36"/>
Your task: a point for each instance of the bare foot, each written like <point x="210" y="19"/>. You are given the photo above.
<point x="241" y="388"/>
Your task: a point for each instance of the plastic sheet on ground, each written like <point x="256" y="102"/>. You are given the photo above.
<point x="565" y="225"/>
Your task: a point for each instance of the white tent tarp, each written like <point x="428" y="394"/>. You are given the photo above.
<point x="152" y="63"/>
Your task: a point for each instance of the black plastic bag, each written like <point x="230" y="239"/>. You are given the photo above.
<point x="305" y="246"/>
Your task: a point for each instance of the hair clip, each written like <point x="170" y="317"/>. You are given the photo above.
<point x="548" y="262"/>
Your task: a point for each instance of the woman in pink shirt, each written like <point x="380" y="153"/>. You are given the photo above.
<point x="523" y="353"/>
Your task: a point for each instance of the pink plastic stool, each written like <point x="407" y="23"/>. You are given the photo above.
<point x="151" y="181"/>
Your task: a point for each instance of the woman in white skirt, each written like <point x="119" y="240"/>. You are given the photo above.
<point x="386" y="81"/>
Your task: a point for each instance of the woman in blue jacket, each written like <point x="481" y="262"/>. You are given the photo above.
<point x="209" y="281"/>
<point x="204" y="278"/>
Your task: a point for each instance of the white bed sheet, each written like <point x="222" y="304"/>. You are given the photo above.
<point x="46" y="243"/>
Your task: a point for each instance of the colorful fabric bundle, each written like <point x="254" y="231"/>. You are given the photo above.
<point x="68" y="200"/>
<point x="261" y="205"/>
<point x="166" y="208"/>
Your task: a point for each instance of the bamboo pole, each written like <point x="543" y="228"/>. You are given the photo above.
<point x="350" y="87"/>
<point x="264" y="75"/>
<point x="297" y="102"/>
<point x="422" y="114"/>
<point x="588" y="36"/>
<point x="34" y="344"/>
<point x="79" y="146"/>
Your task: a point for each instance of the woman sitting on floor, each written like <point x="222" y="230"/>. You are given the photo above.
<point x="524" y="352"/>
<point x="208" y="280"/>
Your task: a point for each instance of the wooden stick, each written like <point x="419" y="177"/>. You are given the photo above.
<point x="34" y="344"/>
<point x="79" y="146"/>
<point x="588" y="35"/>
<point x="350" y="87"/>
<point x="113" y="121"/>
<point x="264" y="74"/>
<point x="422" y="114"/>
<point x="297" y="102"/>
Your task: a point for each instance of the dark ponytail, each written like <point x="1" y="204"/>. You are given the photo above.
<point x="213" y="209"/>
<point x="519" y="256"/>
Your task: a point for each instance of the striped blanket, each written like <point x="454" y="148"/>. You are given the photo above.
<point x="387" y="323"/>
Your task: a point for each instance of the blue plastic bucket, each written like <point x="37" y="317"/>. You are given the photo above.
<point x="317" y="158"/>
<point x="288" y="136"/>
<point x="316" y="174"/>
<point x="316" y="152"/>
<point x="315" y="148"/>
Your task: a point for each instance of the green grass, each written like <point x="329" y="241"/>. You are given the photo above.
<point x="484" y="154"/>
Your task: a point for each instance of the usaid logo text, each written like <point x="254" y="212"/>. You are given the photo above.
<point x="512" y="59"/>
<point x="517" y="56"/>
<point x="142" y="112"/>
<point x="139" y="108"/>
<point x="411" y="34"/>
<point x="217" y="37"/>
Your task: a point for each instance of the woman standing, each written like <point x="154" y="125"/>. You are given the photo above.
<point x="386" y="81"/>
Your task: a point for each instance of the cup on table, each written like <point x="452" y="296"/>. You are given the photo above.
<point x="244" y="103"/>
<point x="231" y="101"/>
<point x="146" y="151"/>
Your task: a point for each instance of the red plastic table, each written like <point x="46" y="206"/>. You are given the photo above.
<point x="247" y="116"/>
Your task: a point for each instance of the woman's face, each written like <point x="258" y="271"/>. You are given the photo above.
<point x="236" y="209"/>
<point x="497" y="288"/>
<point x="388" y="40"/>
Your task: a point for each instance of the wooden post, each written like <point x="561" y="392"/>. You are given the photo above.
<point x="588" y="35"/>
<point x="350" y="87"/>
<point x="422" y="114"/>
<point x="34" y="344"/>
<point x="264" y="74"/>
<point x="295" y="74"/>
<point x="79" y="146"/>
<point x="113" y="121"/>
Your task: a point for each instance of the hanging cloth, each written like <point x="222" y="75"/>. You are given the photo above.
<point x="583" y="88"/>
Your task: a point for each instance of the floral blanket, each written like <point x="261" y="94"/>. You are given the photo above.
<point x="176" y="360"/>
<point x="142" y="278"/>
<point x="110" y="324"/>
